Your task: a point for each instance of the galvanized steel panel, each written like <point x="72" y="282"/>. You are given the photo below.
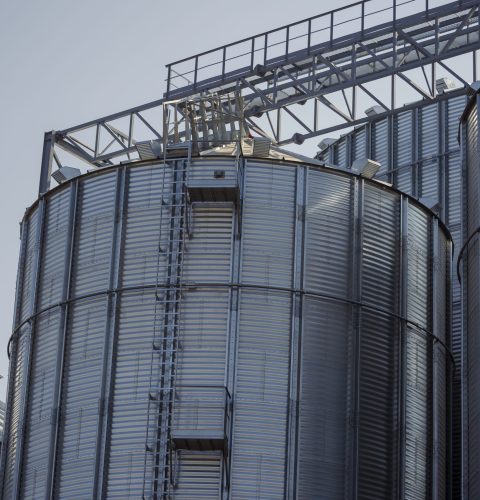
<point x="380" y="248"/>
<point x="208" y="249"/>
<point x="340" y="153"/>
<point x="429" y="179"/>
<point x="359" y="144"/>
<point x="471" y="272"/>
<point x="404" y="135"/>
<point x="261" y="396"/>
<point x="147" y="218"/>
<point x="455" y="107"/>
<point x="41" y="404"/>
<point x="378" y="417"/>
<point x="328" y="233"/>
<point x="418" y="251"/>
<point x="417" y="415"/>
<point x="54" y="242"/>
<point x="326" y="406"/>
<point x="15" y="427"/>
<point x="429" y="130"/>
<point x="198" y="475"/>
<point x="268" y="223"/>
<point x="200" y="373"/>
<point x="205" y="170"/>
<point x="81" y="403"/>
<point x="93" y="242"/>
<point x="29" y="265"/>
<point x="380" y="146"/>
<point x="130" y="419"/>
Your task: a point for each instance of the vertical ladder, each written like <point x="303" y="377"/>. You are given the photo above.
<point x="165" y="345"/>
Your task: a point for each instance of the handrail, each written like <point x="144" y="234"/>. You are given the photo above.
<point x="260" y="42"/>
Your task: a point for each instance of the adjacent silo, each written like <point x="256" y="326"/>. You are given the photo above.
<point x="469" y="275"/>
<point x="227" y="327"/>
<point x="419" y="154"/>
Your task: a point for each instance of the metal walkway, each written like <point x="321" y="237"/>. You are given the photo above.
<point x="291" y="78"/>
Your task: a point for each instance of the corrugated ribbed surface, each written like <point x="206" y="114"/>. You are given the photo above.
<point x="93" y="243"/>
<point x="418" y="247"/>
<point x="81" y="397"/>
<point x="359" y="144"/>
<point x="200" y="377"/>
<point x="340" y="156"/>
<point x="261" y="396"/>
<point x="380" y="248"/>
<point x="472" y="320"/>
<point x="326" y="405"/>
<point x="378" y="412"/>
<point x="441" y="438"/>
<point x="417" y="416"/>
<point x="472" y="313"/>
<point x="428" y="123"/>
<point x="268" y="225"/>
<point x="208" y="253"/>
<point x="432" y="139"/>
<point x="40" y="404"/>
<point x="55" y="241"/>
<point x="403" y="133"/>
<point x="205" y="170"/>
<point x="130" y="417"/>
<point x="28" y="266"/>
<point x="312" y="365"/>
<point x="15" y="433"/>
<point x="380" y="143"/>
<point x="198" y="475"/>
<point x="329" y="228"/>
<point x="146" y="214"/>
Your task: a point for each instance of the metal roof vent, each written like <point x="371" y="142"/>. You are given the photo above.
<point x="324" y="143"/>
<point x="261" y="146"/>
<point x="365" y="167"/>
<point x="64" y="174"/>
<point x="149" y="150"/>
<point x="375" y="110"/>
<point x="443" y="84"/>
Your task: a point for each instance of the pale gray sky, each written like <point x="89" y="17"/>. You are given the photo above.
<point x="63" y="62"/>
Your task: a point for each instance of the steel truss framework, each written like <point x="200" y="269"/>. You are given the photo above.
<point x="290" y="77"/>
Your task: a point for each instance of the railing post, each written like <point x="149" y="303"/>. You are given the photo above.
<point x="196" y="73"/>
<point x="252" y="48"/>
<point x="363" y="16"/>
<point x="331" y="28"/>
<point x="265" y="50"/>
<point x="224" y="61"/>
<point x="287" y="39"/>
<point x="309" y="35"/>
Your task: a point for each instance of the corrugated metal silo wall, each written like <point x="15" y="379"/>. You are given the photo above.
<point x="309" y="302"/>
<point x="420" y="155"/>
<point x="470" y="272"/>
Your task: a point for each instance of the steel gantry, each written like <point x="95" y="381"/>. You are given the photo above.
<point x="290" y="78"/>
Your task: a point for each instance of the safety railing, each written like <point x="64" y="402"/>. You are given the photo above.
<point x="301" y="37"/>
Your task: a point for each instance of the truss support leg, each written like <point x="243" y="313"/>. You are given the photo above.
<point x="47" y="157"/>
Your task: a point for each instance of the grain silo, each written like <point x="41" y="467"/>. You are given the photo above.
<point x="468" y="274"/>
<point x="229" y="326"/>
<point x="420" y="155"/>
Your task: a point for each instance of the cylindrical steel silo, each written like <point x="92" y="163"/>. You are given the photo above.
<point x="223" y="327"/>
<point x="468" y="268"/>
<point x="419" y="154"/>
